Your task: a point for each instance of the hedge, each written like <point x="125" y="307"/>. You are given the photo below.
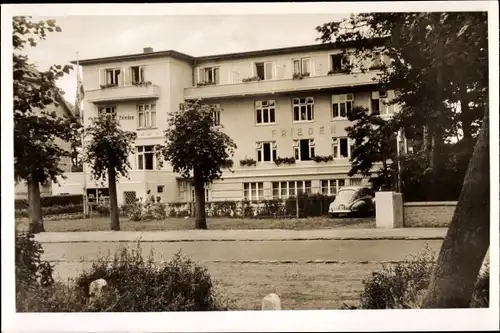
<point x="53" y="200"/>
<point x="53" y="210"/>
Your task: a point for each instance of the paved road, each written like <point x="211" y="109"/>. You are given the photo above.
<point x="68" y="256"/>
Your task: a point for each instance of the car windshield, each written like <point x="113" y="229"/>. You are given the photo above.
<point x="345" y="195"/>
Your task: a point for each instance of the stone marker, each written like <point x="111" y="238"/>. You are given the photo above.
<point x="271" y="302"/>
<point x="96" y="288"/>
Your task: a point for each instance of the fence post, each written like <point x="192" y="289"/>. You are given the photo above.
<point x="297" y="204"/>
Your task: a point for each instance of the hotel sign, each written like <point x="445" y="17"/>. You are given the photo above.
<point x="298" y="132"/>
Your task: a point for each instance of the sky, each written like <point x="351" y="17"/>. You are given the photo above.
<point x="196" y="35"/>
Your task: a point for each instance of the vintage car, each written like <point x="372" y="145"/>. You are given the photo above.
<point x="353" y="201"/>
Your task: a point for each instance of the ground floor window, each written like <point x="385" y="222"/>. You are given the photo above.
<point x="291" y="188"/>
<point x="253" y="191"/>
<point x="129" y="197"/>
<point x="331" y="186"/>
<point x="98" y="195"/>
<point x="356" y="181"/>
<point x="208" y="197"/>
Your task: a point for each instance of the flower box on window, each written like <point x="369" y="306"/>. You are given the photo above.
<point x="248" y="162"/>
<point x="284" y="160"/>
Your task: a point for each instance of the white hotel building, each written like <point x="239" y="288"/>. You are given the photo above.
<point x="278" y="115"/>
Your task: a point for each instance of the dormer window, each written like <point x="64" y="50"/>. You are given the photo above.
<point x="264" y="70"/>
<point x="338" y="62"/>
<point x="113" y="76"/>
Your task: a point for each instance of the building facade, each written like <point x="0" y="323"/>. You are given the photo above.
<point x="274" y="104"/>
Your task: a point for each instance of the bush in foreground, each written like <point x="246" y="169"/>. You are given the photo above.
<point x="135" y="284"/>
<point x="403" y="285"/>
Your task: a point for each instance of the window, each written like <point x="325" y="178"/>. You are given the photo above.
<point x="355" y="181"/>
<point x="264" y="70"/>
<point x="129" y="197"/>
<point x="331" y="186"/>
<point x="207" y="193"/>
<point x="113" y="76"/>
<point x="266" y="151"/>
<point x="137" y="74"/>
<point x="216" y="114"/>
<point x="145" y="157"/>
<point x="253" y="191"/>
<point x="209" y="75"/>
<point x="290" y="188"/>
<point x="303" y="149"/>
<point x="342" y="105"/>
<point x="108" y="111"/>
<point x="159" y="188"/>
<point x="301" y="66"/>
<point x="377" y="60"/>
<point x="379" y="103"/>
<point x="265" y="111"/>
<point x="303" y="109"/>
<point x="341" y="148"/>
<point x="146" y="115"/>
<point x="339" y="62"/>
<point x="97" y="195"/>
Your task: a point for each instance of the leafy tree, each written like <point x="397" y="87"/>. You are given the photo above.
<point x="374" y="142"/>
<point x="198" y="150"/>
<point x="36" y="124"/>
<point x="107" y="153"/>
<point x="429" y="52"/>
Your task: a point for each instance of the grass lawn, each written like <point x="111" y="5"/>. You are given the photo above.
<point x="102" y="223"/>
<point x="299" y="286"/>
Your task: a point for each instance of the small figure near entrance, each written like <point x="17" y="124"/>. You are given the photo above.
<point x="150" y="199"/>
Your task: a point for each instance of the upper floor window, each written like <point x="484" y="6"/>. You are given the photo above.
<point x="356" y="181"/>
<point x="301" y="66"/>
<point x="331" y="186"/>
<point x="379" y="103"/>
<point x="341" y="148"/>
<point x="377" y="60"/>
<point x="266" y="151"/>
<point x="137" y="74"/>
<point x="216" y="114"/>
<point x="342" y="105"/>
<point x="303" y="109"/>
<point x="209" y="75"/>
<point x="146" y="115"/>
<point x="303" y="149"/>
<point x="265" y="112"/>
<point x="253" y="191"/>
<point x="264" y="70"/>
<point x="113" y="76"/>
<point x="339" y="62"/>
<point x="146" y="157"/>
<point x="107" y="110"/>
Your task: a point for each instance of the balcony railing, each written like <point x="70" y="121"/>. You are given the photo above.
<point x="280" y="86"/>
<point x="122" y="93"/>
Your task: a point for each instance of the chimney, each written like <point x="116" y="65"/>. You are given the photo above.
<point x="148" y="50"/>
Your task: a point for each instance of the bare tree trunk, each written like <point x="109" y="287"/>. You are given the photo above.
<point x="113" y="200"/>
<point x="467" y="240"/>
<point x="199" y="193"/>
<point x="35" y="206"/>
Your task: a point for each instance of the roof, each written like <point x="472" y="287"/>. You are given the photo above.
<point x="237" y="55"/>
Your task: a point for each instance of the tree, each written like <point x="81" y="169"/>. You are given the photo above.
<point x="197" y="149"/>
<point x="429" y="52"/>
<point x="36" y="124"/>
<point x="374" y="142"/>
<point x="107" y="153"/>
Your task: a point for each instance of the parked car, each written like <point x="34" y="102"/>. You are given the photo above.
<point x="353" y="201"/>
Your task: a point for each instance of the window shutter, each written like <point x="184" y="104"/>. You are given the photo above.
<point x="269" y="70"/>
<point x="102" y="80"/>
<point x="200" y="75"/>
<point x="280" y="72"/>
<point x="235" y="77"/>
<point x="126" y="76"/>
<point x="318" y="69"/>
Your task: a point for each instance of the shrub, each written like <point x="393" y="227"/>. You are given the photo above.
<point x="223" y="208"/>
<point x="102" y="210"/>
<point x="403" y="285"/>
<point x="247" y="210"/>
<point x="32" y="273"/>
<point x="137" y="284"/>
